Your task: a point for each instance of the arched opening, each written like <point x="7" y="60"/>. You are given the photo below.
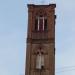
<point x="41" y="23"/>
<point x="40" y="60"/>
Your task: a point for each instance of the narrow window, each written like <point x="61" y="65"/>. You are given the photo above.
<point x="45" y="24"/>
<point x="41" y="23"/>
<point x="36" y="24"/>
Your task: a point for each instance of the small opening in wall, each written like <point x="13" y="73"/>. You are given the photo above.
<point x="41" y="23"/>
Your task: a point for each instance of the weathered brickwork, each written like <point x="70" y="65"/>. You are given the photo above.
<point x="44" y="40"/>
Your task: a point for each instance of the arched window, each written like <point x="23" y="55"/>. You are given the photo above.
<point x="39" y="60"/>
<point x="41" y="23"/>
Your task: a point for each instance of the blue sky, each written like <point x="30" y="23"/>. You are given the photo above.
<point x="13" y="31"/>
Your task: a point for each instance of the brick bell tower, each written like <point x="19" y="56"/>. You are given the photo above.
<point x="40" y="52"/>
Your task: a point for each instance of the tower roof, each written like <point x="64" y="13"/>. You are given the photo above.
<point x="33" y="5"/>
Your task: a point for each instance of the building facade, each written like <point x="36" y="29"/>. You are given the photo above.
<point x="40" y="51"/>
